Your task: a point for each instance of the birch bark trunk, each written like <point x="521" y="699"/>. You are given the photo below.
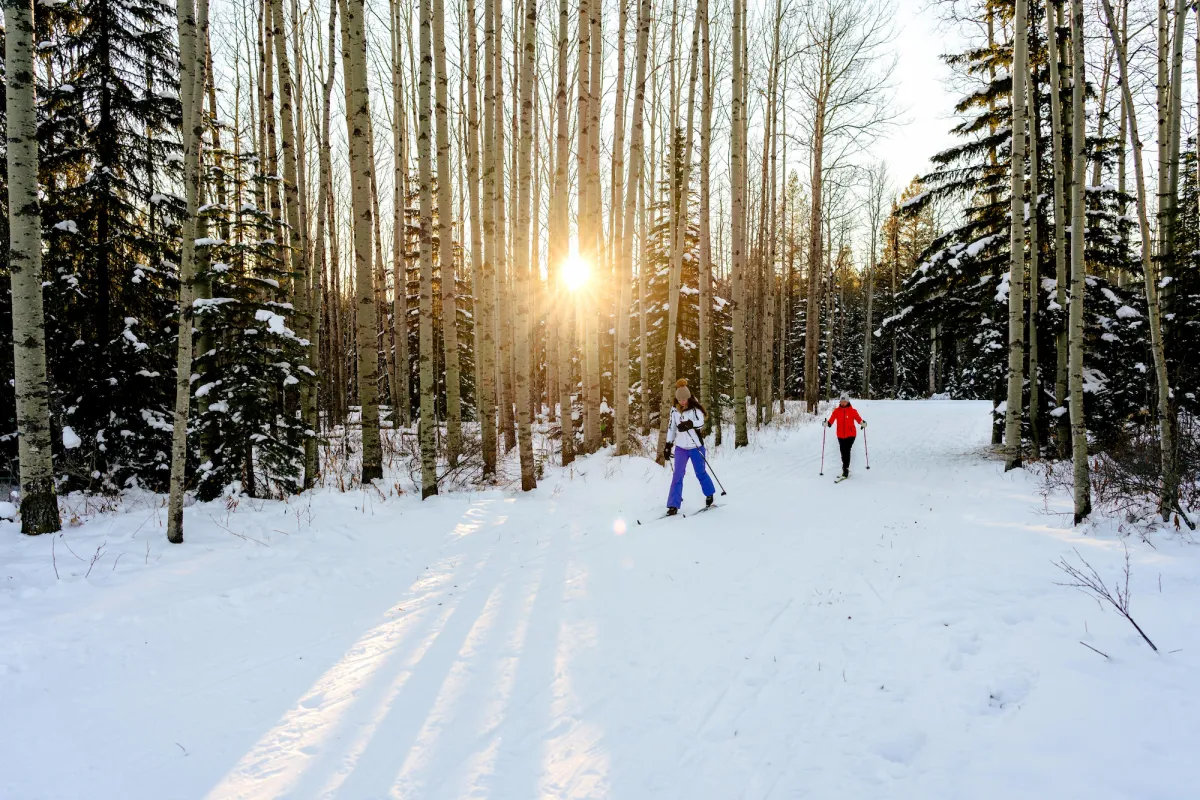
<point x="1058" y="162"/>
<point x="33" y="412"/>
<point x="427" y="428"/>
<point x="560" y="246"/>
<point x="521" y="279"/>
<point x="625" y="274"/>
<point x="445" y="205"/>
<point x="737" y="234"/>
<point x="679" y="226"/>
<point x="39" y="500"/>
<point x="1169" y="498"/>
<point x="1079" y="451"/>
<point x="1016" y="242"/>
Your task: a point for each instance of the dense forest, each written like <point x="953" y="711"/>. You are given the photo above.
<point x="258" y="246"/>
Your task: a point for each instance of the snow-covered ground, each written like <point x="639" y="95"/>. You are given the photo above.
<point x="900" y="635"/>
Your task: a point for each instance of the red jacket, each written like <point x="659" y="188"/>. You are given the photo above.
<point x="845" y="417"/>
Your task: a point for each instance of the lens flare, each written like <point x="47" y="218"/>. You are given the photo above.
<point x="576" y="272"/>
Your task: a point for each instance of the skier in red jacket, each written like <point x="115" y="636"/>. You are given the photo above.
<point x="845" y="416"/>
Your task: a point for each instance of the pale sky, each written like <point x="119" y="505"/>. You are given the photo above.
<point x="921" y="91"/>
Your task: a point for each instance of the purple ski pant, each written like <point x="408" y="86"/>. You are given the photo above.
<point x="682" y="457"/>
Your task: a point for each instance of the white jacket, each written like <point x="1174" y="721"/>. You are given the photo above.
<point x="689" y="439"/>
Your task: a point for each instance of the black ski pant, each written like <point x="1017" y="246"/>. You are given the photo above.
<point x="846" y="445"/>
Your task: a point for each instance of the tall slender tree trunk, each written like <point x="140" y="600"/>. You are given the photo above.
<point x="1035" y="256"/>
<point x="354" y="58"/>
<point x="585" y="235"/>
<point x="427" y="429"/>
<point x="297" y="244"/>
<point x="679" y="227"/>
<point x="643" y="342"/>
<point x="32" y="387"/>
<point x="331" y="310"/>
<point x="812" y="333"/>
<point x="598" y="316"/>
<point x="445" y="205"/>
<point x="1169" y="497"/>
<point x="39" y="500"/>
<point x="560" y="244"/>
<point x="1058" y="162"/>
<point x="1016" y="241"/>
<point x="1079" y="451"/>
<point x="486" y="290"/>
<point x="737" y="234"/>
<point x="1168" y="258"/>
<point x="625" y="274"/>
<point x="401" y="388"/>
<point x="521" y="235"/>
<point x="705" y="321"/>
<point x="504" y="323"/>
<point x="484" y="340"/>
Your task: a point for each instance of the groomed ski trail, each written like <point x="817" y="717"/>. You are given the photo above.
<point x="901" y="636"/>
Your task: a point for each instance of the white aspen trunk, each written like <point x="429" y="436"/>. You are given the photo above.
<point x="39" y="500"/>
<point x="1058" y="161"/>
<point x="331" y="306"/>
<point x="1168" y="498"/>
<point x="1016" y="242"/>
<point x="625" y="274"/>
<point x="485" y="291"/>
<point x="445" y="205"/>
<point x="598" y="317"/>
<point x="401" y="389"/>
<point x="354" y="60"/>
<point x="521" y="234"/>
<point x="737" y="234"/>
<point x="1168" y="257"/>
<point x="383" y="351"/>
<point x="643" y="345"/>
<point x="1079" y="451"/>
<point x="584" y="233"/>
<point x="812" y="334"/>
<point x="427" y="429"/>
<point x="297" y="244"/>
<point x="193" y="30"/>
<point x="1035" y="254"/>
<point x="484" y="358"/>
<point x="706" y="101"/>
<point x="679" y="225"/>
<point x="560" y="245"/>
<point x="504" y="322"/>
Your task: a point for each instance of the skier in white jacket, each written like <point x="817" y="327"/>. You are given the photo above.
<point x="683" y="437"/>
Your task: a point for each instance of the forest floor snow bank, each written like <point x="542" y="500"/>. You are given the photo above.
<point x="899" y="635"/>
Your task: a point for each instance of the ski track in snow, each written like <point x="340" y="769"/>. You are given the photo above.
<point x="899" y="635"/>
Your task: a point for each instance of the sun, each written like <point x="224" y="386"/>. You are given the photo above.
<point x="576" y="272"/>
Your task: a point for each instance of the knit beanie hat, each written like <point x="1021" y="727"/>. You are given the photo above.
<point x="845" y="398"/>
<point x="682" y="392"/>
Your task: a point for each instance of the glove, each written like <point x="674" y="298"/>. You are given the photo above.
<point x="828" y="424"/>
<point x="667" y="452"/>
<point x="862" y="424"/>
<point x="686" y="425"/>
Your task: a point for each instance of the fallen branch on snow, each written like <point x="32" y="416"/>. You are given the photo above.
<point x="1088" y="581"/>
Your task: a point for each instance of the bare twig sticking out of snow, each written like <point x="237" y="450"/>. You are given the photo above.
<point x="99" y="553"/>
<point x="235" y="533"/>
<point x="1088" y="581"/>
<point x="1094" y="650"/>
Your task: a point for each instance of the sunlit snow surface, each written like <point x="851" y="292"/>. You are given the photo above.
<point x="899" y="635"/>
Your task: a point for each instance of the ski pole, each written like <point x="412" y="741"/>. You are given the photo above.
<point x="866" y="450"/>
<point x="824" y="430"/>
<point x="708" y="466"/>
